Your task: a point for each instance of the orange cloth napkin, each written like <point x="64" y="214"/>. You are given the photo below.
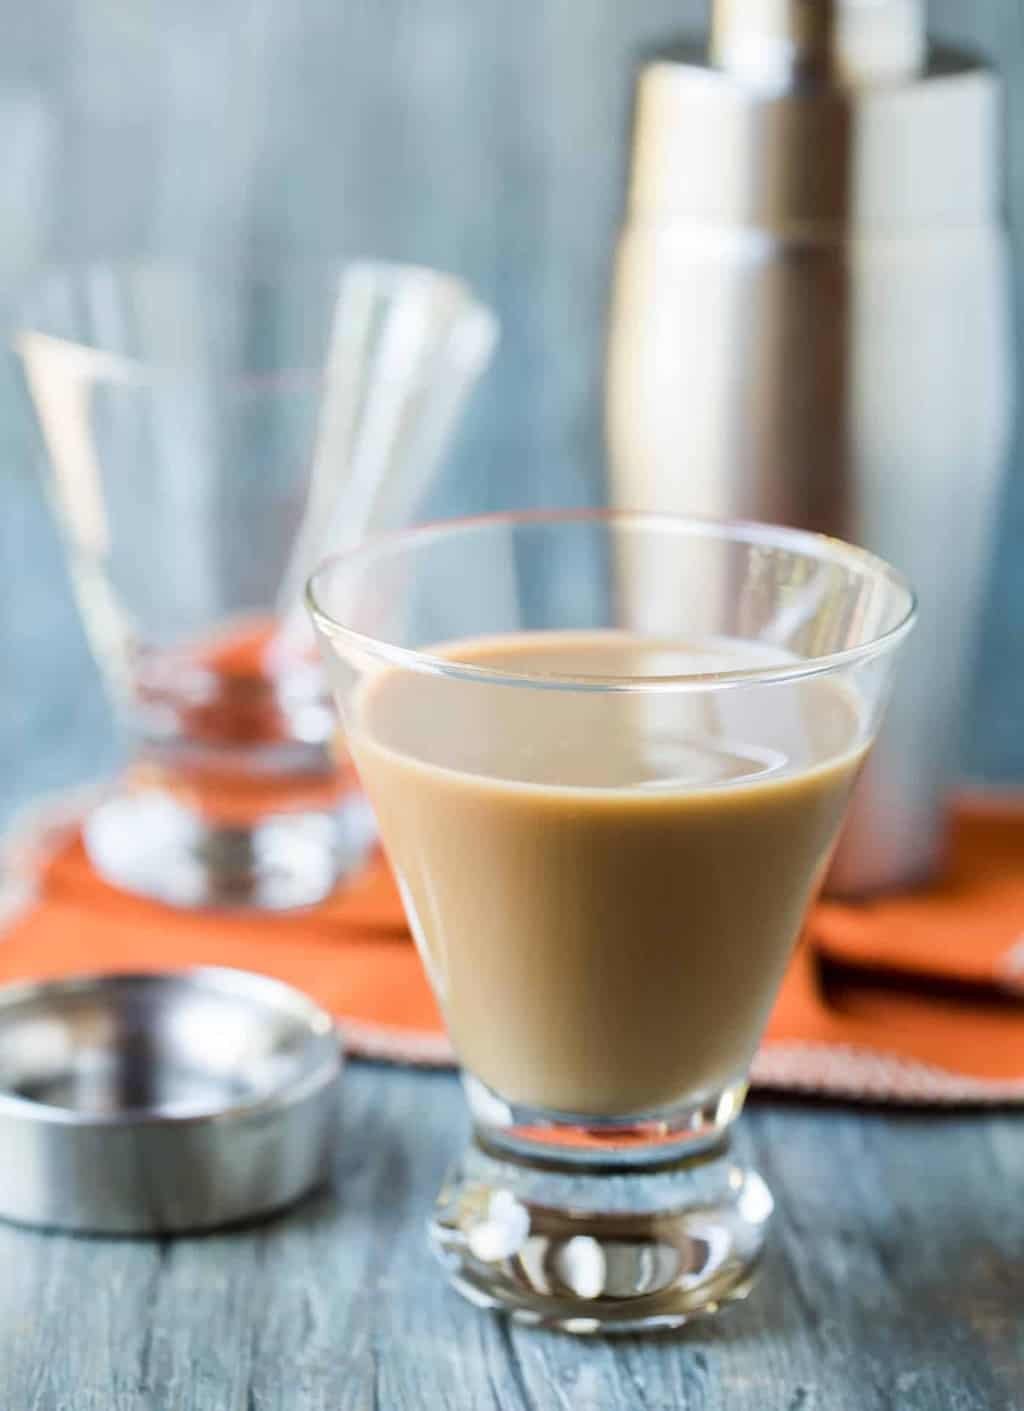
<point x="918" y="997"/>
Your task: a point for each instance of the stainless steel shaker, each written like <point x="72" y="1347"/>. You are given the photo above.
<point x="811" y="324"/>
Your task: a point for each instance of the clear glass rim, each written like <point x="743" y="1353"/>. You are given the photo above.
<point x="256" y="272"/>
<point x="813" y="545"/>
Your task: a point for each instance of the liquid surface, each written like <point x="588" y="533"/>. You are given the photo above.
<point x="605" y="886"/>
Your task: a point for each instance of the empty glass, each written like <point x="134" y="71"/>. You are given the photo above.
<point x="208" y="435"/>
<point x="609" y="756"/>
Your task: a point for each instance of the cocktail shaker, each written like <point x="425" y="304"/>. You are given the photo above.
<point x="811" y="324"/>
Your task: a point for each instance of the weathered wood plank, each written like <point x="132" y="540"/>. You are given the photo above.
<point x="896" y="1279"/>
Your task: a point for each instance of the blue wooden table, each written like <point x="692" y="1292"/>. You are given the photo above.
<point x="895" y="1280"/>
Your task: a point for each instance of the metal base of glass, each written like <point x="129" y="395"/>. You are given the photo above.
<point x="602" y="1228"/>
<point x="148" y="843"/>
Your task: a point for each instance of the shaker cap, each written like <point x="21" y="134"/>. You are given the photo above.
<point x="850" y="41"/>
<point x="818" y="118"/>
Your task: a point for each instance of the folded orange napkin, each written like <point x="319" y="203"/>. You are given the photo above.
<point x="918" y="997"/>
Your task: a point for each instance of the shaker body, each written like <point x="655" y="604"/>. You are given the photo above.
<point x="858" y="388"/>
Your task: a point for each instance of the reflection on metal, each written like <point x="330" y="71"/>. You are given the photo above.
<point x="811" y="325"/>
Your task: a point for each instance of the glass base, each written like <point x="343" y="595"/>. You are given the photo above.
<point x="604" y="1227"/>
<point x="148" y="843"/>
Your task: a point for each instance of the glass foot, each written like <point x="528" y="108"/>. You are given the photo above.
<point x="593" y="1252"/>
<point x="147" y="843"/>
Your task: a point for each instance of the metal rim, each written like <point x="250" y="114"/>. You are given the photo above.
<point x="323" y="1031"/>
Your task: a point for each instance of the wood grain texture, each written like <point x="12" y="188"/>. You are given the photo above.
<point x="488" y="138"/>
<point x="895" y="1280"/>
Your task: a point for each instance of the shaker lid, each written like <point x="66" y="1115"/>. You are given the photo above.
<point x="818" y="118"/>
<point x="779" y="42"/>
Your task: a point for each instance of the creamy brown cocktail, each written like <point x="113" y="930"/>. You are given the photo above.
<point x="609" y="755"/>
<point x="605" y="888"/>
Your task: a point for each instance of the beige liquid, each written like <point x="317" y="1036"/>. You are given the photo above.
<point x="605" y="887"/>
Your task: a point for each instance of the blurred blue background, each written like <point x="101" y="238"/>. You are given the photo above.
<point x="486" y="138"/>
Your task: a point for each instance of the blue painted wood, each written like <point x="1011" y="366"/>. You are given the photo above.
<point x="894" y="1281"/>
